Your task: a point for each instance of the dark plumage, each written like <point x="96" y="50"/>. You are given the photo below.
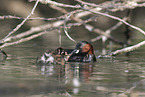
<point x="83" y="52"/>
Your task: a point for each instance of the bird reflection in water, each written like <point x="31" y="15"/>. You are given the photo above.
<point x="70" y="74"/>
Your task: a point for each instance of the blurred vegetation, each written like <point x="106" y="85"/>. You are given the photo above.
<point x="22" y="8"/>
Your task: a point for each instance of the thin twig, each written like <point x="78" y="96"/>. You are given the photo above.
<point x="66" y="28"/>
<point x="42" y="27"/>
<point x="90" y="10"/>
<point x="107" y="32"/>
<point x="59" y="32"/>
<point x="23" y="39"/>
<point x="116" y="18"/>
<point x="86" y="3"/>
<point x="127" y="49"/>
<point x="55" y="26"/>
<point x="64" y="11"/>
<point x="19" y="26"/>
<point x="96" y="38"/>
<point x="102" y="33"/>
<point x="36" y="18"/>
<point x="56" y="3"/>
<point x="33" y="30"/>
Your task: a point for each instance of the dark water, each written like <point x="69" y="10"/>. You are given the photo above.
<point x="119" y="76"/>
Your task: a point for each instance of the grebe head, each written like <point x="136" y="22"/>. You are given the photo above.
<point x="83" y="52"/>
<point x="85" y="47"/>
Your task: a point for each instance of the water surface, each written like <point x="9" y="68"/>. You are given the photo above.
<point x="119" y="76"/>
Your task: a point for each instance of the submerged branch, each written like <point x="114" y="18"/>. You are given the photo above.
<point x="128" y="91"/>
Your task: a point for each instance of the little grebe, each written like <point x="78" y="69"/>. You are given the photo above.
<point x="83" y="52"/>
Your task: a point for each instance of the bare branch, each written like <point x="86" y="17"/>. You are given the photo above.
<point x="86" y="3"/>
<point x="117" y="18"/>
<point x="66" y="28"/>
<point x="49" y="27"/>
<point x="127" y="49"/>
<point x="56" y="3"/>
<point x="105" y="33"/>
<point x="34" y="30"/>
<point x="114" y="6"/>
<point x="62" y="10"/>
<point x="23" y="39"/>
<point x="93" y="11"/>
<point x="96" y="38"/>
<point x="36" y="18"/>
<point x="108" y="31"/>
<point x="19" y="26"/>
<point x="76" y="15"/>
